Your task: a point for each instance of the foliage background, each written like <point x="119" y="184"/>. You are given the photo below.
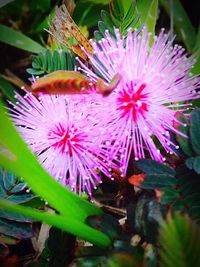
<point x="139" y="220"/>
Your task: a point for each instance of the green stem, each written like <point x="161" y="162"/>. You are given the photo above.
<point x="70" y="225"/>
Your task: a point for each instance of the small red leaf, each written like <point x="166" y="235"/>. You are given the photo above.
<point x="136" y="179"/>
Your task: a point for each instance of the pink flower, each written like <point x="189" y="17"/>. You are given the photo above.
<point x="62" y="133"/>
<point x="155" y="82"/>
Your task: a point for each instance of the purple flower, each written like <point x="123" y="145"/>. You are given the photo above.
<point x="155" y="83"/>
<point x="62" y="133"/>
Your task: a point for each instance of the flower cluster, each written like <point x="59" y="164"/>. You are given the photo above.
<point x="63" y="135"/>
<point x="156" y="83"/>
<point x="78" y="138"/>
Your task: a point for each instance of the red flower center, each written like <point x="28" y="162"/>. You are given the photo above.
<point x="65" y="139"/>
<point x="132" y="102"/>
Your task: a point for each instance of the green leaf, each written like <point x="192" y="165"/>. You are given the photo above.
<point x="50" y="61"/>
<point x="66" y="64"/>
<point x="117" y="9"/>
<point x="69" y="224"/>
<point x="153" y="181"/>
<point x="16" y="229"/>
<point x="7" y="89"/>
<point x="107" y="224"/>
<point x="143" y="6"/>
<point x="180" y="242"/>
<point x="153" y="167"/>
<point x="147" y="217"/>
<point x="189" y="187"/>
<point x="12" y="189"/>
<point x="102" y="27"/>
<point x="55" y="60"/>
<point x="14" y="217"/>
<point x="5" y="2"/>
<point x="19" y="40"/>
<point x="196" y="69"/>
<point x="189" y="163"/>
<point x="195" y="130"/>
<point x="87" y="14"/>
<point x="196" y="164"/>
<point x="16" y="157"/>
<point x="63" y="254"/>
<point x="170" y="195"/>
<point x="184" y="142"/>
<point x="107" y="21"/>
<point x="151" y="18"/>
<point x="123" y="15"/>
<point x="196" y="47"/>
<point x="182" y="23"/>
<point x="120" y="259"/>
<point x="103" y="2"/>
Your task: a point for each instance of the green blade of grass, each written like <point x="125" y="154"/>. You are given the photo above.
<point x="148" y="15"/>
<point x="182" y="23"/>
<point x="19" y="40"/>
<point x="151" y="19"/>
<point x="143" y="7"/>
<point x="7" y="89"/>
<point x="70" y="224"/>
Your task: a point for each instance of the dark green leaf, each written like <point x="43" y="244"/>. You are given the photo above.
<point x="107" y="21"/>
<point x="20" y="198"/>
<point x="12" y="189"/>
<point x="178" y="206"/>
<point x="196" y="164"/>
<point x="147" y="217"/>
<point x="184" y="142"/>
<point x="8" y="180"/>
<point x="153" y="181"/>
<point x="189" y="163"/>
<point x="189" y="188"/>
<point x="60" y="255"/>
<point x="107" y="223"/>
<point x="34" y="72"/>
<point x="170" y="195"/>
<point x="102" y="27"/>
<point x="195" y="130"/>
<point x="152" y="216"/>
<point x="153" y="167"/>
<point x="14" y="217"/>
<point x="5" y="2"/>
<point x="35" y="202"/>
<point x="16" y="229"/>
<point x="97" y="35"/>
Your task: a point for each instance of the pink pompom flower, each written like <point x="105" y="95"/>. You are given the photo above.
<point x="61" y="132"/>
<point x="156" y="82"/>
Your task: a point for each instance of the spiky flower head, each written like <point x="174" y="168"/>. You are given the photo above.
<point x="62" y="133"/>
<point x="155" y="82"/>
